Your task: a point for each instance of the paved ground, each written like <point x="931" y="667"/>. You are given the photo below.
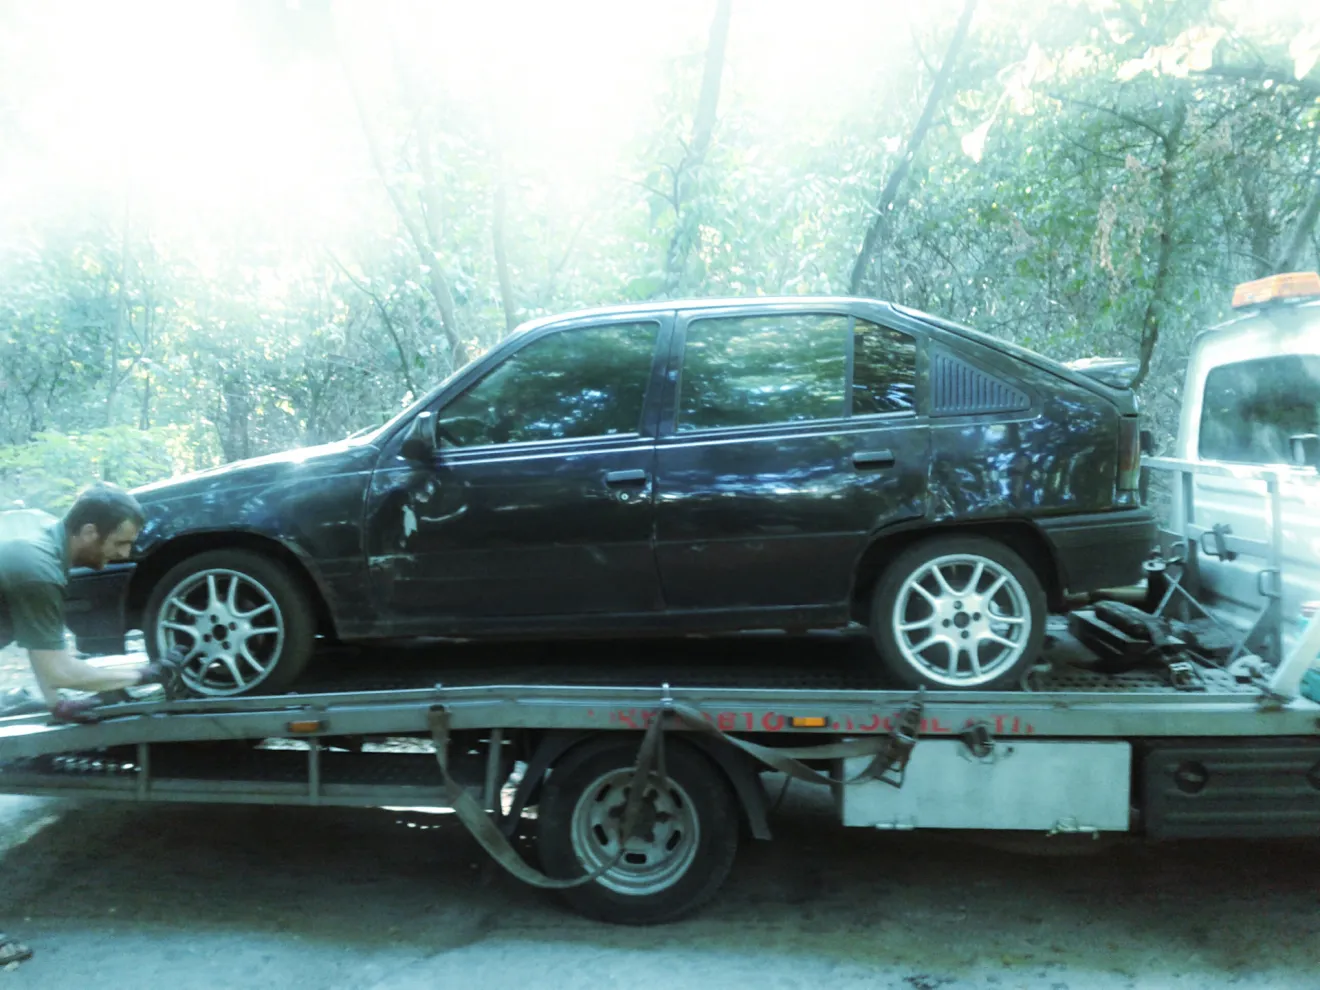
<point x="115" y="895"/>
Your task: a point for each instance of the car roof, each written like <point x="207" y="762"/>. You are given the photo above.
<point x="1293" y="312"/>
<point x="812" y="302"/>
<point x="658" y="306"/>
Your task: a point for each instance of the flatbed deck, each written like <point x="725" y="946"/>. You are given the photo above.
<point x="1075" y="750"/>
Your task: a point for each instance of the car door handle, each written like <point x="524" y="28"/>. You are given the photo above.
<point x="873" y="459"/>
<point x="637" y="477"/>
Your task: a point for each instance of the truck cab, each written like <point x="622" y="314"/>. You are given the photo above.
<point x="1252" y="401"/>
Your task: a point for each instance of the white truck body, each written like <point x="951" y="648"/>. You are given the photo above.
<point x="1252" y="384"/>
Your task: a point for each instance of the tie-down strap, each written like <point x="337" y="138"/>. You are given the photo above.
<point x="487" y="833"/>
<point x="889" y="753"/>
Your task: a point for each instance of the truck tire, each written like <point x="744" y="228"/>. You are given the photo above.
<point x="958" y="612"/>
<point x="688" y="833"/>
<point x="243" y="620"/>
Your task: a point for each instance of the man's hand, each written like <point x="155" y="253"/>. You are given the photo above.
<point x="56" y="670"/>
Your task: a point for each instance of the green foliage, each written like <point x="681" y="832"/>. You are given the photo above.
<point x="48" y="472"/>
<point x="1098" y="177"/>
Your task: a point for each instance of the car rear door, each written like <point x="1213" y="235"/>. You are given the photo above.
<point x="539" y="502"/>
<point x="789" y="436"/>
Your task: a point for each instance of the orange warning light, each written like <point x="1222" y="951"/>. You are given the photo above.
<point x="1289" y="285"/>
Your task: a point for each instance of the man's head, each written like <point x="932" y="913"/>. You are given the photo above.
<point x="102" y="525"/>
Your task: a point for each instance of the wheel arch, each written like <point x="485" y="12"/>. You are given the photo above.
<point x="1019" y="535"/>
<point x="158" y="563"/>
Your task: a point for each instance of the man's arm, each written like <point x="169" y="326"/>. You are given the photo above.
<point x="56" y="669"/>
<point x="37" y="610"/>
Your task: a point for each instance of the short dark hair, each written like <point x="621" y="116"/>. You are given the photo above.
<point x="106" y="507"/>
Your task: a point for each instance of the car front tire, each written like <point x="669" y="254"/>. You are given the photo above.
<point x="243" y="622"/>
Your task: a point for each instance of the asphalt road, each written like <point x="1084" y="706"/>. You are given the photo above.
<point x="118" y="895"/>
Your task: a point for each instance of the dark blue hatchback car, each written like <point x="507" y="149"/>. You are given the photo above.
<point x="665" y="468"/>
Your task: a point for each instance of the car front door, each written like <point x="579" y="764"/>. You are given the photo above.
<point x="538" y="500"/>
<point x="787" y="440"/>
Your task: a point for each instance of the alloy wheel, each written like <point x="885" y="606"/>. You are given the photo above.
<point x="961" y="620"/>
<point x="229" y="627"/>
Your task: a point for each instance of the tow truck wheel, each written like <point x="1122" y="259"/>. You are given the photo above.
<point x="958" y="612"/>
<point x="243" y="623"/>
<point x="683" y="847"/>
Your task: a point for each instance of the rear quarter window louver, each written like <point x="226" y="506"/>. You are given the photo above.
<point x="958" y="389"/>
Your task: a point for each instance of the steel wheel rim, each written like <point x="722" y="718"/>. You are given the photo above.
<point x="666" y="843"/>
<point x="229" y="627"/>
<point x="961" y="620"/>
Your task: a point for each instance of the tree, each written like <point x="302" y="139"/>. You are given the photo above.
<point x="684" y="175"/>
<point x="885" y="202"/>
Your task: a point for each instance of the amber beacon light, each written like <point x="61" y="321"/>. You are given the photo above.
<point x="1290" y="285"/>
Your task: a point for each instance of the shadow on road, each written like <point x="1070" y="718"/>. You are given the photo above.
<point x="372" y="878"/>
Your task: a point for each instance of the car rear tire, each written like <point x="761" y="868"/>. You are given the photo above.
<point x="958" y="612"/>
<point x="243" y="621"/>
<point x="687" y="841"/>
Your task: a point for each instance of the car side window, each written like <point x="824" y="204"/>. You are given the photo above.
<point x="760" y="370"/>
<point x="583" y="382"/>
<point x="884" y="370"/>
<point x="1251" y="410"/>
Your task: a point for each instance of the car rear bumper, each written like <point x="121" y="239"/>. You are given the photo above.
<point x="1101" y="550"/>
<point x="94" y="608"/>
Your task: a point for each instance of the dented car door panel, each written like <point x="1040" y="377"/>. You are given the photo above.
<point x="511" y="519"/>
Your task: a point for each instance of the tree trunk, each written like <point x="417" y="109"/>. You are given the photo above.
<point x="501" y="254"/>
<point x="386" y="319"/>
<point x="703" y="125"/>
<point x="1302" y="229"/>
<point x="121" y="315"/>
<point x="1155" y="306"/>
<point x="235" y="441"/>
<point x="885" y="202"/>
<point x="148" y="318"/>
<point x="707" y="104"/>
<point x="1255" y="198"/>
<point x="424" y="239"/>
<point x="432" y="209"/>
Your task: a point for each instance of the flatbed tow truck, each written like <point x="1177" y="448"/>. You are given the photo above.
<point x="644" y="779"/>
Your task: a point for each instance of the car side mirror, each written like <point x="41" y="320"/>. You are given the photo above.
<point x="419" y="444"/>
<point x="1306" y="450"/>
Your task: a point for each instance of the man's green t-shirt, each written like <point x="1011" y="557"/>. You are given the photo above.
<point x="34" y="571"/>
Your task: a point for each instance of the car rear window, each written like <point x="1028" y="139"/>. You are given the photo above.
<point x="760" y="370"/>
<point x="1252" y="409"/>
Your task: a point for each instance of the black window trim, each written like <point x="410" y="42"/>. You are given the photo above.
<point x="664" y="327"/>
<point x="535" y="448"/>
<point x="849" y="359"/>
